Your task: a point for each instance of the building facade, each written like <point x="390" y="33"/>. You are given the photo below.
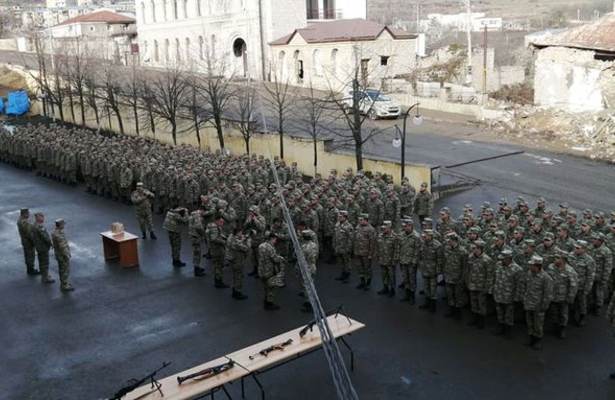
<point x="327" y="55"/>
<point x="231" y="33"/>
<point x="322" y="10"/>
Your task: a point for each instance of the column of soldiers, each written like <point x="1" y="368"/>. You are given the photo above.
<point x="509" y="260"/>
<point x="37" y="243"/>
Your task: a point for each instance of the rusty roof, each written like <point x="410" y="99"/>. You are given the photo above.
<point x="598" y="35"/>
<point x="346" y="30"/>
<point x="109" y="17"/>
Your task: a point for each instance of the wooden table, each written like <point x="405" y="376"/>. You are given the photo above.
<point x="244" y="367"/>
<point x="122" y="247"/>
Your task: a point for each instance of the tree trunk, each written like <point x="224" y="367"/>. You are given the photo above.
<point x="315" y="156"/>
<point x="247" y="145"/>
<point x="358" y="153"/>
<point x="174" y="132"/>
<point x="218" y="124"/>
<point x="119" y="119"/>
<point x="82" y="106"/>
<point x="281" y="132"/>
<point x="72" y="105"/>
<point x="135" y="112"/>
<point x="151" y="119"/>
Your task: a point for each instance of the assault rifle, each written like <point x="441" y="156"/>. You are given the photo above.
<point x="310" y="325"/>
<point x="265" y="352"/>
<point x="135" y="383"/>
<point x="207" y="372"/>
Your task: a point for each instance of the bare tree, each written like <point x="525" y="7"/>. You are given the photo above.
<point x="279" y="100"/>
<point x="90" y="80"/>
<point x="132" y="94"/>
<point x="111" y="92"/>
<point x="245" y="109"/>
<point x="78" y="64"/>
<point x="197" y="104"/>
<point x="169" y="89"/>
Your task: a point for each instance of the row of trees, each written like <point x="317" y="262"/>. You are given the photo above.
<point x="178" y="99"/>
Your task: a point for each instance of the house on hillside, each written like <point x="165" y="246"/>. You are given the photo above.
<point x="575" y="69"/>
<point x="105" y="33"/>
<point x="326" y="55"/>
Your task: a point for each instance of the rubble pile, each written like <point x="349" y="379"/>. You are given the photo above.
<point x="589" y="134"/>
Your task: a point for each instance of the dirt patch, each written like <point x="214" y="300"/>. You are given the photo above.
<point x="11" y="80"/>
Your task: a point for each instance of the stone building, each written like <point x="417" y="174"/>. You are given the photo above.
<point x="326" y="55"/>
<point x="232" y="33"/>
<point x="575" y="69"/>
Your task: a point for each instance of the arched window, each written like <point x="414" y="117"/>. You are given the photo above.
<point x="156" y="51"/>
<point x="198" y="8"/>
<point x="178" y="51"/>
<point x="282" y="65"/>
<point x="164" y="10"/>
<point x="153" y="5"/>
<point x="185" y="9"/>
<point x="334" y="62"/>
<point x="188" y="49"/>
<point x="174" y="10"/>
<point x="167" y="50"/>
<point x="298" y="66"/>
<point x="145" y="50"/>
<point x="240" y="49"/>
<point x="201" y="54"/>
<point x="316" y="64"/>
<point x="142" y="12"/>
<point x="213" y="46"/>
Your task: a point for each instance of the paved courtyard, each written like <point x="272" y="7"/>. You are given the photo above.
<point x="119" y="324"/>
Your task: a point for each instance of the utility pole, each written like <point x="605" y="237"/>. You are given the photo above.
<point x="485" y="66"/>
<point x="468" y="4"/>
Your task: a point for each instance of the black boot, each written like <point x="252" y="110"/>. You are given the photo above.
<point x="561" y="332"/>
<point x="432" y="306"/>
<point x="237" y="295"/>
<point x="400" y="286"/>
<point x="306" y="307"/>
<point x="412" y="300"/>
<point x="500" y="330"/>
<point x="582" y="321"/>
<point x="219" y="284"/>
<point x="271" y="306"/>
<point x="33" y="271"/>
<point x="198" y="271"/>
<point x="361" y="284"/>
<point x="143" y="235"/>
<point x="391" y="291"/>
<point x="406" y="297"/>
<point x="425" y="305"/>
<point x="341" y="277"/>
<point x="178" y="264"/>
<point x="368" y="284"/>
<point x="384" y="290"/>
<point x="480" y="324"/>
<point x="152" y="235"/>
<point x="612" y="376"/>
<point x="474" y="320"/>
<point x="254" y="272"/>
<point x="346" y="277"/>
<point x="596" y="311"/>
<point x="537" y="344"/>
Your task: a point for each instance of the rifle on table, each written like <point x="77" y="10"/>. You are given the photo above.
<point x="207" y="372"/>
<point x="276" y="347"/>
<point x="135" y="383"/>
<point x="311" y="324"/>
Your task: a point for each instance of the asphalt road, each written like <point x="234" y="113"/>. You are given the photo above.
<point x="119" y="324"/>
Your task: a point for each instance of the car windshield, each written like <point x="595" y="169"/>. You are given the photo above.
<point x="377" y="96"/>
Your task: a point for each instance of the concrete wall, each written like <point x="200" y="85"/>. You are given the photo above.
<point x="298" y="150"/>
<point x="571" y="79"/>
<point x="8" y="44"/>
<point x="475" y="111"/>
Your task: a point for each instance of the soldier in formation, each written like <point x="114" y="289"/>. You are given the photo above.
<point x="24" y="227"/>
<point x="61" y="250"/>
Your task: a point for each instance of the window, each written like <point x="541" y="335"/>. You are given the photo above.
<point x="198" y="8"/>
<point x="167" y="50"/>
<point x="334" y="61"/>
<point x="164" y="10"/>
<point x="178" y="50"/>
<point x="188" y="49"/>
<point x="142" y="11"/>
<point x="92" y="29"/>
<point x="384" y="60"/>
<point x="316" y="65"/>
<point x="174" y="9"/>
<point x="156" y="51"/>
<point x="153" y="5"/>
<point x="201" y="55"/>
<point x="282" y="65"/>
<point x="185" y="9"/>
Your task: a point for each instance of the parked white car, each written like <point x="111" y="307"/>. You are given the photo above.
<point x="375" y="104"/>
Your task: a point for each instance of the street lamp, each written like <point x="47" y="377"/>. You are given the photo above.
<point x="400" y="135"/>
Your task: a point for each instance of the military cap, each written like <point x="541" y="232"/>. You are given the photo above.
<point x="613" y="213"/>
<point x="222" y="203"/>
<point x="520" y="229"/>
<point x="39" y="214"/>
<point x="549" y="236"/>
<point x="585" y="223"/>
<point x="406" y="221"/>
<point x="343" y="212"/>
<point x="428" y="231"/>
<point x="139" y="184"/>
<point x="520" y="199"/>
<point x="253" y="209"/>
<point x="537" y="221"/>
<point x="500" y="234"/>
<point x="541" y="200"/>
<point x="445" y="209"/>
<point x="561" y="253"/>
<point x="407" y="217"/>
<point x="480" y="243"/>
<point x="59" y="222"/>
<point x="581" y="244"/>
<point x="530" y="242"/>
<point x="572" y="213"/>
<point x="427" y="221"/>
<point x="474" y="229"/>
<point x="587" y="211"/>
<point x="387" y="224"/>
<point x="563" y="205"/>
<point x="503" y="201"/>
<point x="493" y="224"/>
<point x="486" y="204"/>
<point x="24" y="211"/>
<point x="424" y="184"/>
<point x="597" y="236"/>
<point x="536" y="260"/>
<point x="306" y="233"/>
<point x="452" y="236"/>
<point x="599" y="214"/>
<point x="513" y="218"/>
<point x="467" y="206"/>
<point x="564" y="227"/>
<point x="364" y="215"/>
<point x="506" y="253"/>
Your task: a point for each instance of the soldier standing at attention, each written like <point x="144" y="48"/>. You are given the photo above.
<point x="269" y="262"/>
<point x="536" y="300"/>
<point x="430" y="264"/>
<point x="237" y="248"/>
<point x="309" y="247"/>
<point x="604" y="265"/>
<point x="477" y="281"/>
<point x="172" y="221"/>
<point x="217" y="243"/>
<point x="142" y="199"/>
<point x="388" y="255"/>
<point x="197" y="234"/>
<point x="364" y="249"/>
<point x="409" y="243"/>
<point x="585" y="267"/>
<point x="610" y="316"/>
<point x="505" y="291"/>
<point x="61" y="250"/>
<point x="455" y="263"/>
<point x="342" y="245"/>
<point x="25" y="234"/>
<point x="42" y="244"/>
<point x="423" y="203"/>
<point x="565" y="286"/>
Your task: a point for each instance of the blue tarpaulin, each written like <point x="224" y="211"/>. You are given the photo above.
<point x="1" y="105"/>
<point x="18" y="103"/>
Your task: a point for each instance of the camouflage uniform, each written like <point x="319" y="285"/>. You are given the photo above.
<point x="25" y="234"/>
<point x="478" y="283"/>
<point x="268" y="269"/>
<point x="604" y="265"/>
<point x="387" y="249"/>
<point x="409" y="244"/>
<point x="455" y="264"/>
<point x="217" y="242"/>
<point x="142" y="198"/>
<point x="536" y="300"/>
<point x="364" y="250"/>
<point x="61" y="250"/>
<point x="430" y="260"/>
<point x="42" y="244"/>
<point x="585" y="268"/>
<point x="342" y="245"/>
<point x="196" y="231"/>
<point x="237" y="248"/>
<point x="565" y="286"/>
<point x="506" y="292"/>
<point x="171" y="224"/>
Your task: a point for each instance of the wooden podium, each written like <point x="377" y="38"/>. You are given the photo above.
<point x="121" y="247"/>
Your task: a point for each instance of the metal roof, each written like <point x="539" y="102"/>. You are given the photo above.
<point x="598" y="35"/>
<point x="108" y="17"/>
